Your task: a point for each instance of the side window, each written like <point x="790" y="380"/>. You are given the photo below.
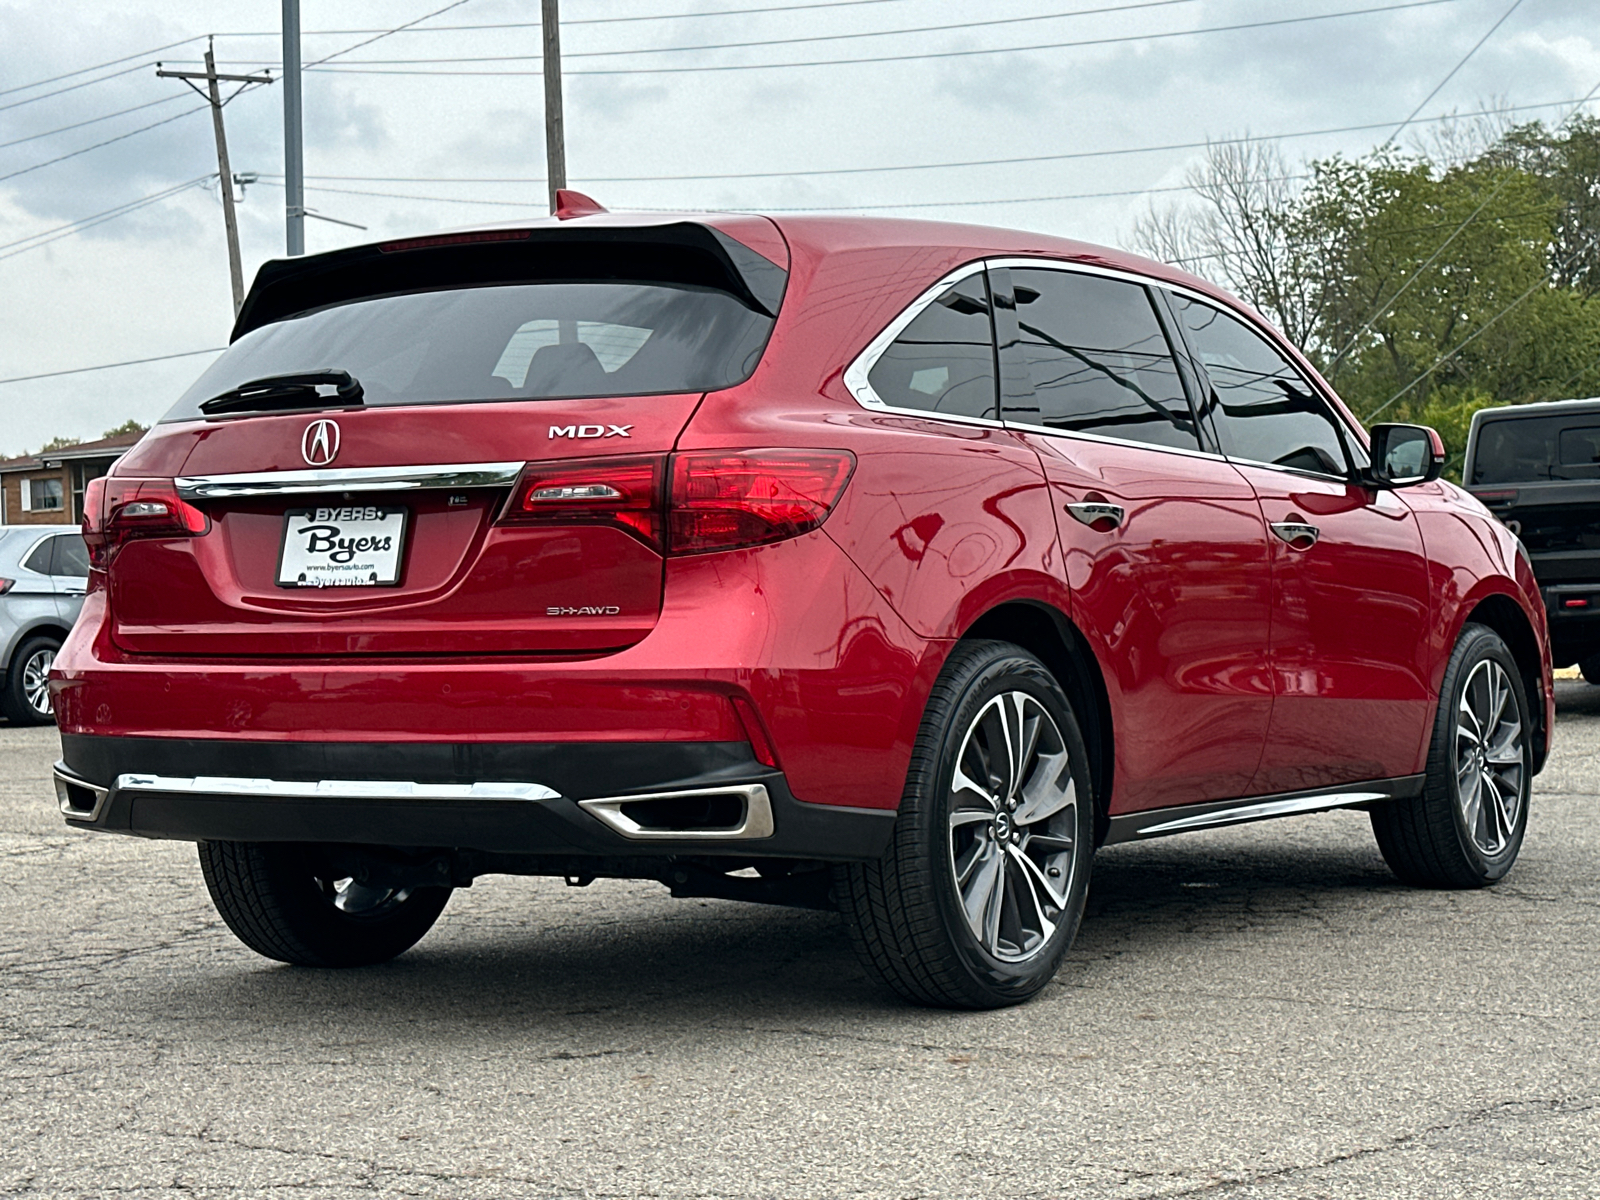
<point x="943" y="362"/>
<point x="70" y="556"/>
<point x="1098" y="359"/>
<point x="39" y="557"/>
<point x="1263" y="408"/>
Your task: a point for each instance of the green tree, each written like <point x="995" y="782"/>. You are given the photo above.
<point x="128" y="426"/>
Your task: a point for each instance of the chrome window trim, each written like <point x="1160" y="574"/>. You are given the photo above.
<point x="856" y="380"/>
<point x="757" y="823"/>
<point x="1115" y="441"/>
<point x="330" y="789"/>
<point x="348" y="479"/>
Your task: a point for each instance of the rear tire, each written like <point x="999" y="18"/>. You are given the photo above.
<point x="270" y="895"/>
<point x="1590" y="668"/>
<point x="1467" y="826"/>
<point x="982" y="888"/>
<point x="25" y="700"/>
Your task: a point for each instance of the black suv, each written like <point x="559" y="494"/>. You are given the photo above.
<point x="1537" y="467"/>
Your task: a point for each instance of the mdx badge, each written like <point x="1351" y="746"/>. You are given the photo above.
<point x="320" y="442"/>
<point x="589" y="431"/>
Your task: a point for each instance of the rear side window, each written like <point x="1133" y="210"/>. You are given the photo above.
<point x="1264" y="410"/>
<point x="1098" y="360"/>
<point x="529" y="341"/>
<point x="39" y="557"/>
<point x="69" y="556"/>
<point x="1527" y="449"/>
<point x="943" y="362"/>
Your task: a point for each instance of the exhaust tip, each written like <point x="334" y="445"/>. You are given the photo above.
<point x="738" y="813"/>
<point x="78" y="799"/>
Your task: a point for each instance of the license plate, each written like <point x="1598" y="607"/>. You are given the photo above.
<point x="348" y="546"/>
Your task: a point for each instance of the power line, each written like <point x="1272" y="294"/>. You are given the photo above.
<point x="566" y="21"/>
<point x="129" y="362"/>
<point x="75" y="86"/>
<point x="188" y="112"/>
<point x="386" y="33"/>
<point x="33" y="137"/>
<point x="844" y="62"/>
<point x="143" y="54"/>
<point x="977" y="162"/>
<point x="50" y="235"/>
<point x="823" y="37"/>
<point x="1438" y="87"/>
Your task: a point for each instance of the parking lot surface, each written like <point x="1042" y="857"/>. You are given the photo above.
<point x="1252" y="1012"/>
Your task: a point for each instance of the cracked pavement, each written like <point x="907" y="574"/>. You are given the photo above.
<point x="1249" y="1013"/>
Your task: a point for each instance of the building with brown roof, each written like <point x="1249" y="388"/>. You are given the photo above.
<point x="47" y="488"/>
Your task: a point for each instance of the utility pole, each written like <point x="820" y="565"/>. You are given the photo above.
<point x="224" y="173"/>
<point x="555" y="144"/>
<point x="294" y="164"/>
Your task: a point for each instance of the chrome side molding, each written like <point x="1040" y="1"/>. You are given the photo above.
<point x="756" y="822"/>
<point x="1132" y="827"/>
<point x="348" y="479"/>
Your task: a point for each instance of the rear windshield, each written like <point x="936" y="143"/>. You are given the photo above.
<point x="532" y="341"/>
<point x="1528" y="449"/>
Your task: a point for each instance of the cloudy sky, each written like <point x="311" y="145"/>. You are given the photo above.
<point x="670" y="103"/>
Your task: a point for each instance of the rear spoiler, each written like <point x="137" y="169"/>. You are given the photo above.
<point x="683" y="253"/>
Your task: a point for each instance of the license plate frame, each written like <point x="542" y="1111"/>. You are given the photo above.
<point x="312" y="566"/>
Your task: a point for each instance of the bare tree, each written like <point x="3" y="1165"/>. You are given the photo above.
<point x="1238" y="231"/>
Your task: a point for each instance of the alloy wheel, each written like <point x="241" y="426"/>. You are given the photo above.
<point x="1489" y="758"/>
<point x="1013" y="826"/>
<point x="36" y="680"/>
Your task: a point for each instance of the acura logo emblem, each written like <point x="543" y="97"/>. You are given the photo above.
<point x="320" y="442"/>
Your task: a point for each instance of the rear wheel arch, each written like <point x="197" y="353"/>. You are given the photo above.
<point x="1049" y="635"/>
<point x="46" y="628"/>
<point x="1503" y="615"/>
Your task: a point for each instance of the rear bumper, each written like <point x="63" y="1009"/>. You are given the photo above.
<point x="618" y="800"/>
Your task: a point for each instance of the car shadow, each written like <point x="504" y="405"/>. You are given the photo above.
<point x="723" y="965"/>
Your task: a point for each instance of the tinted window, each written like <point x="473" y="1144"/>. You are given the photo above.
<point x="943" y="361"/>
<point x="1263" y="408"/>
<point x="518" y="341"/>
<point x="1098" y="360"/>
<point x="70" y="556"/>
<point x="1526" y="449"/>
<point x="39" y="557"/>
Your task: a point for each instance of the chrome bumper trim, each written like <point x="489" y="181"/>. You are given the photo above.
<point x="757" y="821"/>
<point x="332" y="789"/>
<point x="348" y="479"/>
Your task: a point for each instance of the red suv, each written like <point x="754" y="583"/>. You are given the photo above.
<point x="884" y="566"/>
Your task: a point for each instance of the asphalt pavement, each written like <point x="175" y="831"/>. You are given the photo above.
<point x="1253" y="1012"/>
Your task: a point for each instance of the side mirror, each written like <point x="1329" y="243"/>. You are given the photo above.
<point x="1404" y="455"/>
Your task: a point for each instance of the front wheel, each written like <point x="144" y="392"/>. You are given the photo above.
<point x="281" y="904"/>
<point x="1589" y="668"/>
<point x="1466" y="828"/>
<point x="982" y="889"/>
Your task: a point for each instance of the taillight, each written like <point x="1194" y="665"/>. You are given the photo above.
<point x="120" y="510"/>
<point x="722" y="500"/>
<point x="624" y="492"/>
<point x="6" y="585"/>
<point x="718" y="500"/>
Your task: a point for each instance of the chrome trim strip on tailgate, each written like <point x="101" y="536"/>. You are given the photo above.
<point x="348" y="479"/>
<point x="332" y="789"/>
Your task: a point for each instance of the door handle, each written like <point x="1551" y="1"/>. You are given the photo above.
<point x="1100" y="517"/>
<point x="1298" y="534"/>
